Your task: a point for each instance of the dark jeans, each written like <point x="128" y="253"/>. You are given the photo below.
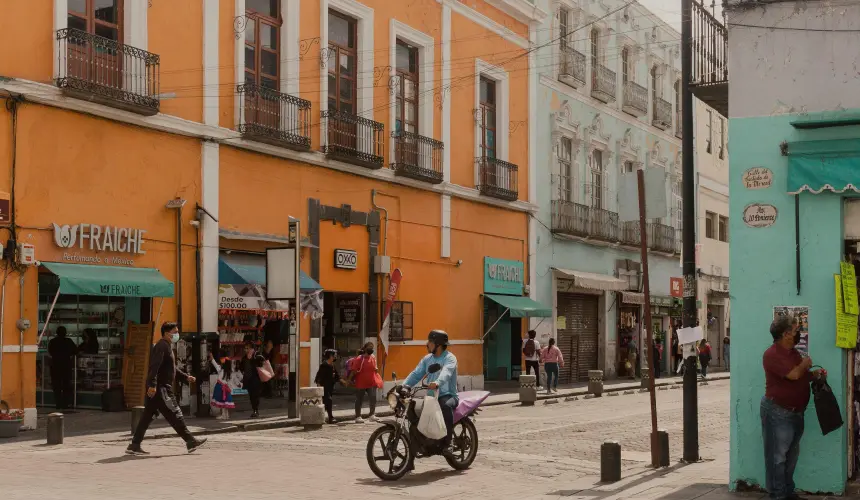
<point x="62" y="383"/>
<point x="254" y="392"/>
<point x="164" y="402"/>
<point x="534" y="365"/>
<point x="359" y="401"/>
<point x="327" y="401"/>
<point x="448" y="405"/>
<point x="781" y="431"/>
<point x="551" y="372"/>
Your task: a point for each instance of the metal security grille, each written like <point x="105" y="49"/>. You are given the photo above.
<point x="578" y="340"/>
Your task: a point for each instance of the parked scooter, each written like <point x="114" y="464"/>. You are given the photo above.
<point x="397" y="443"/>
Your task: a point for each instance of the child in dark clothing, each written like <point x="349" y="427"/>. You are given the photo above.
<point x="326" y="377"/>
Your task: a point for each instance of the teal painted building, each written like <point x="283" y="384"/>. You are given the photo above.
<point x="794" y="169"/>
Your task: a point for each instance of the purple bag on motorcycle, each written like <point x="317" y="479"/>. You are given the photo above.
<point x="469" y="401"/>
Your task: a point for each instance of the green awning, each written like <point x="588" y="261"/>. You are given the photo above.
<point x="521" y="307"/>
<point x="84" y="279"/>
<point x="818" y="166"/>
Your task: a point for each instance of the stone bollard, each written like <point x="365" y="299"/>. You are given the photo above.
<point x="54" y="427"/>
<point x="312" y="410"/>
<point x="646" y="376"/>
<point x="595" y="382"/>
<point x="663" y="437"/>
<point x="610" y="462"/>
<point x="528" y="391"/>
<point x="136" y="415"/>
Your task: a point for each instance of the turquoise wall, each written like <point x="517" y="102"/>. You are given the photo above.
<point x="762" y="263"/>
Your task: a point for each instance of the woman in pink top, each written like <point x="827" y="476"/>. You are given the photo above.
<point x="552" y="361"/>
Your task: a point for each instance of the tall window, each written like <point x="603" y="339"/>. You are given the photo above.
<point x="627" y="167"/>
<point x="625" y="64"/>
<point x="488" y="118"/>
<point x="595" y="47"/>
<point x="709" y="136"/>
<point x="597" y="179"/>
<point x="564" y="28"/>
<point x="656" y="83"/>
<point x="677" y="205"/>
<point x="401" y="321"/>
<point x="565" y="167"/>
<point x="710" y="219"/>
<point x="342" y="63"/>
<point x="722" y="151"/>
<point x="406" y="114"/>
<point x="724" y="229"/>
<point x="97" y="17"/>
<point x="262" y="43"/>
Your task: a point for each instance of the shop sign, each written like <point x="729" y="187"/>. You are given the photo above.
<point x="247" y="297"/>
<point x="759" y="215"/>
<point x="349" y="314"/>
<point x="676" y="286"/>
<point x="100" y="238"/>
<point x="758" y="178"/>
<point x="345" y="259"/>
<point x="661" y="301"/>
<point x="503" y="276"/>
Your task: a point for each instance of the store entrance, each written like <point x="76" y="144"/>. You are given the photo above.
<point x="344" y="324"/>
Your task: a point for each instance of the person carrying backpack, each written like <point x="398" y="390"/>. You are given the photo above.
<point x="531" y="351"/>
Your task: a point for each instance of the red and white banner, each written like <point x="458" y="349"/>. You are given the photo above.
<point x="393" y="286"/>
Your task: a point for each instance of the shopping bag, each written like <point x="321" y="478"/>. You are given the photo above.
<point x="826" y="406"/>
<point x="431" y="423"/>
<point x="377" y="380"/>
<point x="266" y="372"/>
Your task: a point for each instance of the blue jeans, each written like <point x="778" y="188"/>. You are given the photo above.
<point x="551" y="375"/>
<point x="781" y="432"/>
<point x="448" y="404"/>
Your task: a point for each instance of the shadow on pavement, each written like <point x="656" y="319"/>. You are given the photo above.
<point x="412" y="480"/>
<point x="591" y="492"/>
<point x="133" y="458"/>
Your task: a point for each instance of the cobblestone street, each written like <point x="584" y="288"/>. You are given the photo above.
<point x="546" y="451"/>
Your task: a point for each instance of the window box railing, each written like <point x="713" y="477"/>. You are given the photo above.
<point x="353" y="139"/>
<point x="661" y="238"/>
<point x="417" y="157"/>
<point x="269" y="116"/>
<point x="603" y="83"/>
<point x="635" y="99"/>
<point x="581" y="220"/>
<point x="571" y="68"/>
<point x="102" y="70"/>
<point x="662" y="114"/>
<point x="630" y="234"/>
<point x="497" y="178"/>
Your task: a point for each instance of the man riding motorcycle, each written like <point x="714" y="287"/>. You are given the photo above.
<point x="443" y="382"/>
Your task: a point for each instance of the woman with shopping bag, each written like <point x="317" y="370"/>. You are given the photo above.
<point x="367" y="381"/>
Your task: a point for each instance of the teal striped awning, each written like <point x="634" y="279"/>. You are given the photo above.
<point x="819" y="166"/>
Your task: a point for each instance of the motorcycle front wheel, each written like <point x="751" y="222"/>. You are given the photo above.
<point x="464" y="440"/>
<point x="388" y="454"/>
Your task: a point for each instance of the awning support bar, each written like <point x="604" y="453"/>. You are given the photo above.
<point x="158" y="317"/>
<point x="48" y="319"/>
<point x="496" y="323"/>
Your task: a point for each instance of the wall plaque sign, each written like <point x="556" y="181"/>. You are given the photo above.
<point x="759" y="215"/>
<point x="758" y="178"/>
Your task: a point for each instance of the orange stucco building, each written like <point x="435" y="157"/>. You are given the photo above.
<point x="385" y="129"/>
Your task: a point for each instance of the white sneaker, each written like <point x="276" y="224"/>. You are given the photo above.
<point x="540" y="387"/>
<point x="359" y="420"/>
<point x="373" y="418"/>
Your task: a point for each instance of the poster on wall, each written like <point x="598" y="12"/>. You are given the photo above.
<point x="846" y="324"/>
<point x="802" y="315"/>
<point x="849" y="288"/>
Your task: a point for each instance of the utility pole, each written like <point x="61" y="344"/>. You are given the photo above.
<point x="691" y="404"/>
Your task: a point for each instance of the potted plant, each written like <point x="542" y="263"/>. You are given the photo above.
<point x="10" y="421"/>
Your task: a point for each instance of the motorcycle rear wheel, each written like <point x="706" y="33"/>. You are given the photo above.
<point x="464" y="440"/>
<point x="384" y="447"/>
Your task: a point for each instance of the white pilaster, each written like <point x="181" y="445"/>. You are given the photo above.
<point x="239" y="24"/>
<point x="445" y="92"/>
<point x="290" y="48"/>
<point x="446" y="225"/>
<point x="209" y="238"/>
<point x="210" y="62"/>
<point x="61" y="21"/>
<point x="532" y="145"/>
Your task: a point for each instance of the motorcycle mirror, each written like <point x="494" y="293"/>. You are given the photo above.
<point x="435" y="367"/>
<point x="393" y="376"/>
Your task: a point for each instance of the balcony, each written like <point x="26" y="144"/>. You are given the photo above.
<point x="710" y="78"/>
<point x="353" y="139"/>
<point x="572" y="67"/>
<point x="580" y="220"/>
<point x="635" y="99"/>
<point x="498" y="178"/>
<point x="272" y="117"/>
<point x="630" y="234"/>
<point x="662" y="114"/>
<point x="417" y="157"/>
<point x="105" y="71"/>
<point x="661" y="238"/>
<point x="603" y="84"/>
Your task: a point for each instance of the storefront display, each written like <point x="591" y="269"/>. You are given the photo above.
<point x="629" y="342"/>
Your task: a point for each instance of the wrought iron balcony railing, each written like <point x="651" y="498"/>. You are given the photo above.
<point x="661" y="238"/>
<point x="498" y="178"/>
<point x="662" y="114"/>
<point x="603" y="84"/>
<point x="417" y="157"/>
<point x="710" y="72"/>
<point x="635" y="99"/>
<point x="572" y="67"/>
<point x="273" y="117"/>
<point x="580" y="220"/>
<point x="99" y="69"/>
<point x="630" y="234"/>
<point x="353" y="139"/>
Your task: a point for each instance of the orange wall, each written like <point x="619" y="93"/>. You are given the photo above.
<point x="176" y="35"/>
<point x="27" y="40"/>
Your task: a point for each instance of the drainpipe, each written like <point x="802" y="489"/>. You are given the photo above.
<point x="178" y="267"/>
<point x="384" y="210"/>
<point x="2" y="317"/>
<point x="21" y="342"/>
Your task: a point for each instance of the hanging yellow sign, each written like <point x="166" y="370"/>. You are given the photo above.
<point x="849" y="288"/>
<point x="846" y="324"/>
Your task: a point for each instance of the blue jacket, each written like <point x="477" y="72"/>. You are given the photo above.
<point x="446" y="378"/>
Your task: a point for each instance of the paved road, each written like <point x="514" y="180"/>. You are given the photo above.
<point x="546" y="451"/>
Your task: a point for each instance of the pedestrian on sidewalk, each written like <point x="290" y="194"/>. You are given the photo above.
<point x="552" y="361"/>
<point x="726" y="351"/>
<point x="159" y="393"/>
<point x="787" y="379"/>
<point x="62" y="351"/>
<point x="251" y="381"/>
<point x="222" y="394"/>
<point x="704" y="356"/>
<point x="326" y="378"/>
<point x="367" y="381"/>
<point x="531" y="351"/>
<point x="658" y="355"/>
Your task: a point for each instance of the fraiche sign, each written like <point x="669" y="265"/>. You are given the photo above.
<point x="100" y="238"/>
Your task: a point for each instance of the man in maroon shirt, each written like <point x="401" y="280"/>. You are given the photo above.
<point x="786" y="396"/>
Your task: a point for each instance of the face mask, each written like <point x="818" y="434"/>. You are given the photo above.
<point x="369" y="352"/>
<point x="175" y="338"/>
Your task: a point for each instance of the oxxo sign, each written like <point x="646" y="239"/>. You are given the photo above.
<point x="345" y="259"/>
<point x="503" y="276"/>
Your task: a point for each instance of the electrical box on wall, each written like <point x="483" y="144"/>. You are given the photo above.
<point x="382" y="264"/>
<point x="26" y="254"/>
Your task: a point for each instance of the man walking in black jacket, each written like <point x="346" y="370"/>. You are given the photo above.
<point x="159" y="392"/>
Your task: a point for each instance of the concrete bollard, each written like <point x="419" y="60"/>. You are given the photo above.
<point x="646" y="376"/>
<point x="610" y="462"/>
<point x="136" y="415"/>
<point x="595" y="382"/>
<point x="528" y="391"/>
<point x="312" y="410"/>
<point x="54" y="427"/>
<point x="663" y="437"/>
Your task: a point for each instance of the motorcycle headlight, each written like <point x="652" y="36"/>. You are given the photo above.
<point x="392" y="400"/>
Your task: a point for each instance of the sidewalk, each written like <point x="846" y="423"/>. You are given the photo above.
<point x="116" y="426"/>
